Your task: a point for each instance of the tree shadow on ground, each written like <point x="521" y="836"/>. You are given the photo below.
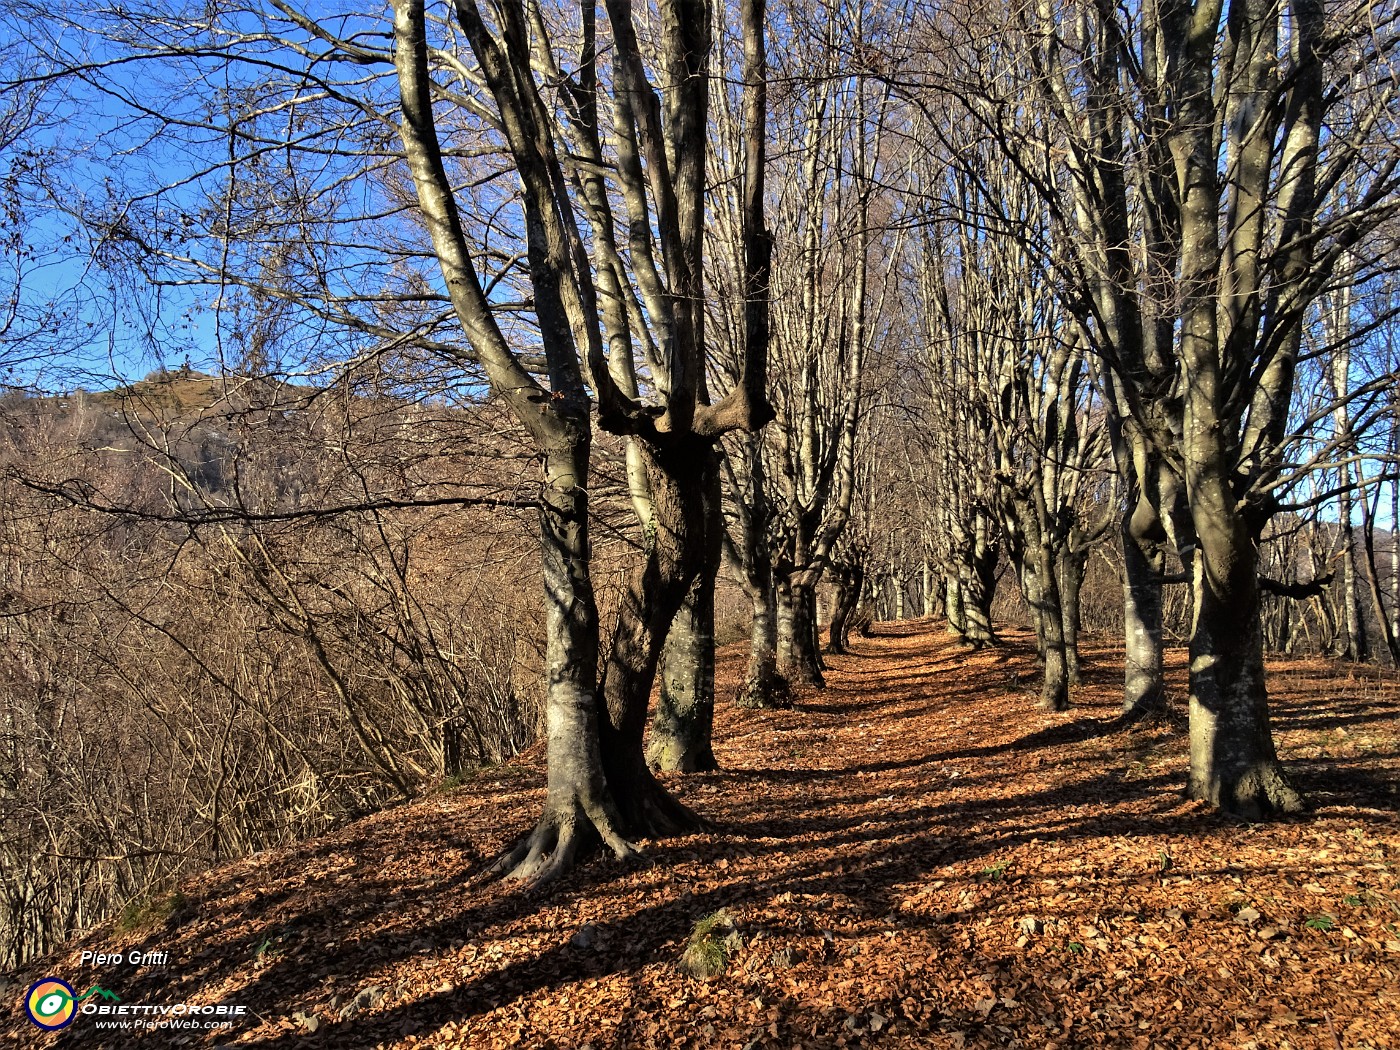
<point x="393" y="899"/>
<point x="900" y="850"/>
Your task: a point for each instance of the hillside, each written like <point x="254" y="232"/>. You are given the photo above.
<point x="915" y="857"/>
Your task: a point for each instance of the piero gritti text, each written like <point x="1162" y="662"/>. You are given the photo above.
<point x="135" y="957"/>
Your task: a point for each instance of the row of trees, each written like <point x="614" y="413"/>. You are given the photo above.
<point x="926" y="295"/>
<point x="1206" y="180"/>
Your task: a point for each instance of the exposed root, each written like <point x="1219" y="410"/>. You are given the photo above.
<point x="671" y="758"/>
<point x="1055" y="700"/>
<point x="806" y="677"/>
<point x="772" y="693"/>
<point x="1262" y="792"/>
<point x="559" y="841"/>
<point x="976" y="644"/>
<point x="1151" y="716"/>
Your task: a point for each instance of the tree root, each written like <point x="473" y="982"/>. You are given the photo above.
<point x="772" y="693"/>
<point x="564" y="835"/>
<point x="1261" y="793"/>
<point x="569" y="831"/>
<point x="1158" y="715"/>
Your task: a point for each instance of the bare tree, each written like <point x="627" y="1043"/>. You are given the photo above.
<point x="1022" y="377"/>
<point x="335" y="137"/>
<point x="1203" y="165"/>
<point x="680" y="734"/>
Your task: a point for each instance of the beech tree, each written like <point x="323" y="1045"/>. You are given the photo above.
<point x="834" y="280"/>
<point x="334" y="134"/>
<point x="1021" y="378"/>
<point x="1211" y="188"/>
<point x="658" y="134"/>
<point x="680" y="733"/>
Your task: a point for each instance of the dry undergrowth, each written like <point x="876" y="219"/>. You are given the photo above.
<point x="914" y="857"/>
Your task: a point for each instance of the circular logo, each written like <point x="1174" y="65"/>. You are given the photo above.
<point x="51" y="1003"/>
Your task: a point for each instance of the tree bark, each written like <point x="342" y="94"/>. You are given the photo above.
<point x="799" y="660"/>
<point x="579" y="808"/>
<point x="977" y="581"/>
<point x="682" y="727"/>
<point x="849" y="584"/>
<point x="953" y="605"/>
<point x="1044" y="594"/>
<point x="1394" y="543"/>
<point x="678" y="468"/>
<point x="1233" y="762"/>
<point x="1035" y="561"/>
<point x="1358" y="643"/>
<point x="1144" y="692"/>
<point x="1373" y="580"/>
<point x="680" y="738"/>
<point x="1071" y="580"/>
<point x="763" y="686"/>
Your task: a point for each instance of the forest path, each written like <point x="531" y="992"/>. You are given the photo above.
<point x="915" y="856"/>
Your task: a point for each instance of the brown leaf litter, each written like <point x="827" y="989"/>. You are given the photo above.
<point x="914" y="857"/>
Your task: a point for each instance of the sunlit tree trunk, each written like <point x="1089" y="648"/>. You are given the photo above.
<point x="681" y="732"/>
<point x="1143" y="693"/>
<point x="1233" y="762"/>
<point x="953" y="605"/>
<point x="1070" y="575"/>
<point x="799" y="660"/>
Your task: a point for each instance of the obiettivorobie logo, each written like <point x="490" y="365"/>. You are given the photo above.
<point x="52" y="1004"/>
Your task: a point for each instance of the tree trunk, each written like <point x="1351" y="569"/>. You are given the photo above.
<point x="763" y="686"/>
<point x="1394" y="541"/>
<point x="682" y="727"/>
<point x="849" y="586"/>
<point x="1035" y="562"/>
<point x="1144" y="694"/>
<point x="1373" y="579"/>
<point x="977" y="587"/>
<point x="579" y="808"/>
<point x="1233" y="762"/>
<point x="680" y="738"/>
<point x="1043" y="593"/>
<point x="1071" y="579"/>
<point x="841" y="606"/>
<point x="1358" y="644"/>
<point x="798" y="659"/>
<point x="953" y="606"/>
<point x="679" y="470"/>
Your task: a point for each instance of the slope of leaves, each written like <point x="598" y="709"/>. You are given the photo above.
<point x="915" y="857"/>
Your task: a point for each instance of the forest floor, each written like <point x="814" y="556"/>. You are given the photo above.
<point x="914" y="857"/>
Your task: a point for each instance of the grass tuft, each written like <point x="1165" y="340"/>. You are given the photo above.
<point x="712" y="941"/>
<point x="143" y="914"/>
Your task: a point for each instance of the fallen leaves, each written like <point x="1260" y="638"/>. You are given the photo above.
<point x="992" y="876"/>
